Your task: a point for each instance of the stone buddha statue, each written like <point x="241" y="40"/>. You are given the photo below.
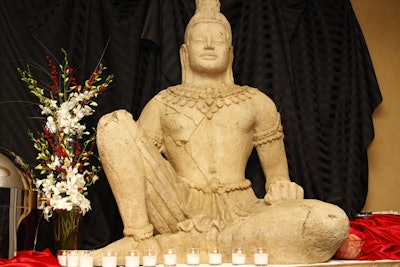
<point x="178" y="172"/>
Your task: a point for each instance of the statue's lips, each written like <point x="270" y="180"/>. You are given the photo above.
<point x="208" y="56"/>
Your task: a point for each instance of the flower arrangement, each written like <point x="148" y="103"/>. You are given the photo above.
<point x="63" y="154"/>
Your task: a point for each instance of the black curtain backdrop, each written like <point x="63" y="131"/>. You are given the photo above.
<point x="309" y="56"/>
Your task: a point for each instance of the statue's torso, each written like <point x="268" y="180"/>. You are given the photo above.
<point x="208" y="135"/>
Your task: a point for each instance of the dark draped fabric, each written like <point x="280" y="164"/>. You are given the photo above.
<point x="309" y="56"/>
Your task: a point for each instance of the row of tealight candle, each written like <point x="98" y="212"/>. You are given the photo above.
<point x="83" y="258"/>
<point x="260" y="256"/>
<point x="75" y="258"/>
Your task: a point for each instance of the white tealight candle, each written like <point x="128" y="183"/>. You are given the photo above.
<point x="72" y="259"/>
<point x="86" y="261"/>
<point x="85" y="258"/>
<point x="193" y="259"/>
<point x="238" y="256"/>
<point x="62" y="257"/>
<point x="131" y="261"/>
<point x="149" y="260"/>
<point x="62" y="260"/>
<point x="214" y="258"/>
<point x="261" y="257"/>
<point x="170" y="257"/>
<point x="109" y="258"/>
<point x="193" y="256"/>
<point x="109" y="261"/>
<point x="238" y="259"/>
<point x="132" y="258"/>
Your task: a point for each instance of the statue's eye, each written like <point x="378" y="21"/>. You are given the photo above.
<point x="218" y="40"/>
<point x="199" y="41"/>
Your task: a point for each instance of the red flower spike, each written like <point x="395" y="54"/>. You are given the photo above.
<point x="73" y="82"/>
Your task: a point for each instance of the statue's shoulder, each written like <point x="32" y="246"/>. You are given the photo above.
<point x="257" y="95"/>
<point x="252" y="93"/>
<point x="167" y="92"/>
<point x="161" y="93"/>
<point x="251" y="90"/>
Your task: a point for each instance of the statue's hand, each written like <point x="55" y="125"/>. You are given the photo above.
<point x="283" y="190"/>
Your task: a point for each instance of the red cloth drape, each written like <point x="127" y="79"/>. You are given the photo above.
<point x="380" y="234"/>
<point x="30" y="258"/>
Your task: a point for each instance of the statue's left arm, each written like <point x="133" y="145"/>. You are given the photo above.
<point x="150" y="123"/>
<point x="268" y="140"/>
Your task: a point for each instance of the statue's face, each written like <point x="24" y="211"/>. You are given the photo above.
<point x="208" y="48"/>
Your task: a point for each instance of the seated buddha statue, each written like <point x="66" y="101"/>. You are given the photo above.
<point x="178" y="172"/>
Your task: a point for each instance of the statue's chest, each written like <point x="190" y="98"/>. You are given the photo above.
<point x="205" y="111"/>
<point x="184" y="123"/>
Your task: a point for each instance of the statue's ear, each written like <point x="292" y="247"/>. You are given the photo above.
<point x="185" y="64"/>
<point x="229" y="72"/>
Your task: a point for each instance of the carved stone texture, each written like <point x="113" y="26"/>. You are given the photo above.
<point x="177" y="173"/>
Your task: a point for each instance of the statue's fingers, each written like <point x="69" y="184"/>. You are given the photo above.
<point x="300" y="192"/>
<point x="271" y="194"/>
<point x="293" y="192"/>
<point x="285" y="192"/>
<point x="267" y="199"/>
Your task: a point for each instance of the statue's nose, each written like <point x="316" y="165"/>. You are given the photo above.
<point x="209" y="44"/>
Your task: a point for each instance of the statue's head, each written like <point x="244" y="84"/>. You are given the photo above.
<point x="207" y="44"/>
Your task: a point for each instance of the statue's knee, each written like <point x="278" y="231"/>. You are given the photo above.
<point x="118" y="129"/>
<point x="330" y="219"/>
<point x="113" y="120"/>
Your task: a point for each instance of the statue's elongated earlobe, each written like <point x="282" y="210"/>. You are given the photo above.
<point x="184" y="64"/>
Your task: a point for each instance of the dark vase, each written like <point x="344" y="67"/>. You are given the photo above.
<point x="67" y="227"/>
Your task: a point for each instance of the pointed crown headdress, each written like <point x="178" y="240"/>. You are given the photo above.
<point x="208" y="11"/>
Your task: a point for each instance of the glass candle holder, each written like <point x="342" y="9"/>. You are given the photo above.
<point x="238" y="256"/>
<point x="170" y="257"/>
<point x="109" y="258"/>
<point x="62" y="257"/>
<point x="149" y="258"/>
<point x="85" y="258"/>
<point x="260" y="257"/>
<point x="72" y="258"/>
<point x="193" y="256"/>
<point x="132" y="258"/>
<point x="214" y="256"/>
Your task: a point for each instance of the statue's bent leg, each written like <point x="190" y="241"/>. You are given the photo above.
<point x="143" y="183"/>
<point x="117" y="136"/>
<point x="298" y="231"/>
<point x="164" y="192"/>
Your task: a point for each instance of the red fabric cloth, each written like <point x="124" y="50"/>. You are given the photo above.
<point x="30" y="258"/>
<point x="380" y="234"/>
